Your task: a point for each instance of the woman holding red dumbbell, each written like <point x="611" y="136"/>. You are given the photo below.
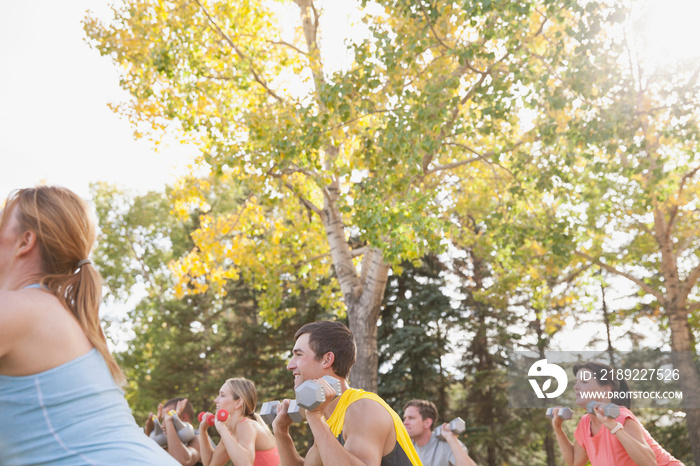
<point x="245" y="438"/>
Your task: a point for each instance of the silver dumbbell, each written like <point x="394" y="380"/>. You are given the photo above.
<point x="610" y="409"/>
<point x="310" y="394"/>
<point x="457" y="426"/>
<point x="268" y="411"/>
<point x="184" y="429"/>
<point x="564" y="413"/>
<point x="158" y="434"/>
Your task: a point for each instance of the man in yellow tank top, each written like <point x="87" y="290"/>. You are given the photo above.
<point x="355" y="428"/>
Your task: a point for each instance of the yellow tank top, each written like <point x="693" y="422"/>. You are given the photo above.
<point x="404" y="454"/>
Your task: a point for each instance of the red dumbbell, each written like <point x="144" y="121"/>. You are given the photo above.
<point x="222" y="415"/>
<point x="208" y="418"/>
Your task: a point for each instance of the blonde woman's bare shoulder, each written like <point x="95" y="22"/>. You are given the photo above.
<point x="16" y="317"/>
<point x="25" y="305"/>
<point x="11" y="299"/>
<point x="37" y="332"/>
<point x="25" y="298"/>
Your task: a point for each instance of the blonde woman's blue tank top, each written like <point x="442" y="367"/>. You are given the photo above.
<point x="73" y="414"/>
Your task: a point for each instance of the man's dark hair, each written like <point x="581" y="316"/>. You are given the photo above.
<point x="188" y="411"/>
<point x="426" y="409"/>
<point x="326" y="336"/>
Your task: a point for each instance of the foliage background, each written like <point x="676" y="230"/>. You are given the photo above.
<point x="472" y="182"/>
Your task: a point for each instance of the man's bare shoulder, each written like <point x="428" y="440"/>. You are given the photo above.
<point x="365" y="411"/>
<point x="369" y="429"/>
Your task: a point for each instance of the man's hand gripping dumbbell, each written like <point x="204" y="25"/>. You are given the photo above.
<point x="456" y="426"/>
<point x="309" y="395"/>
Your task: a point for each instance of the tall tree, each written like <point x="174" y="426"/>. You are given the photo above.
<point x="514" y="263"/>
<point x="628" y="183"/>
<point x="368" y="149"/>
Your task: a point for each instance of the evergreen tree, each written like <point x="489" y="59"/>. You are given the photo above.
<point x="413" y="336"/>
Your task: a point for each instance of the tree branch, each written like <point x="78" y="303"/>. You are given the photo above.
<point x="427" y="158"/>
<point x="570" y="278"/>
<point x="307" y="203"/>
<point x="142" y="265"/>
<point x="310" y="27"/>
<point x="674" y="210"/>
<point x="642" y="226"/>
<point x="287" y="44"/>
<point x="694" y="307"/>
<point x="430" y="25"/>
<point x="353" y="252"/>
<point x="257" y="77"/>
<point x="486" y="156"/>
<point x="221" y="78"/>
<point x="452" y="165"/>
<point x="640" y="283"/>
<point x="358" y="118"/>
<point x="690" y="280"/>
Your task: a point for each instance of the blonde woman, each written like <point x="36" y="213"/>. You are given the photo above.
<point x="245" y="438"/>
<point x="58" y="380"/>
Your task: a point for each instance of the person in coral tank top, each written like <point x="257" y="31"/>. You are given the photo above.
<point x="245" y="438"/>
<point x="602" y="440"/>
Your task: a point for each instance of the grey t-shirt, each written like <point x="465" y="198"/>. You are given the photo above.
<point x="436" y="452"/>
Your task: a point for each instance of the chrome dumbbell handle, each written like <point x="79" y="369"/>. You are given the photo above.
<point x="310" y="394"/>
<point x="564" y="413"/>
<point x="609" y="409"/>
<point x="457" y="426"/>
<point x="268" y="411"/>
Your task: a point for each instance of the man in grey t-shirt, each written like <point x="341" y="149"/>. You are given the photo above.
<point x="419" y="418"/>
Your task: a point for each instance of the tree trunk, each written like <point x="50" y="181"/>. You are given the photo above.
<point x="683" y="350"/>
<point x="683" y="360"/>
<point x="363" y="320"/>
<point x="549" y="448"/>
<point x="362" y="294"/>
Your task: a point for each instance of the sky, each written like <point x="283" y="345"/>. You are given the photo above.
<point x="55" y="125"/>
